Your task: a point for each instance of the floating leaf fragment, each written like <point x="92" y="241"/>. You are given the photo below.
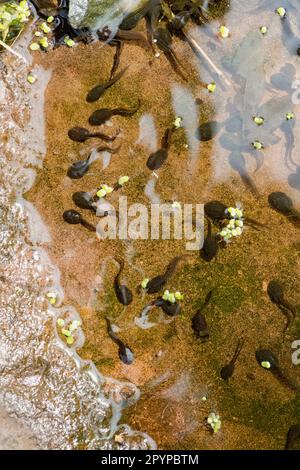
<point x="224" y="32"/>
<point x="34" y="46"/>
<point x="211" y="87"/>
<point x="281" y="12"/>
<point x="31" y="79"/>
<point x="123" y="179"/>
<point x="263" y="30"/>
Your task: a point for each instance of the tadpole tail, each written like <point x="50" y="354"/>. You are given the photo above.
<point x="105" y="148"/>
<point x="133" y="36"/>
<point x="238" y="350"/>
<point x="88" y="226"/>
<point x="121" y="267"/>
<point x="166" y="140"/>
<point x="209" y="226"/>
<point x="254" y="222"/>
<point x="249" y="183"/>
<point x="285" y="380"/>
<point x="117" y="56"/>
<point x="117" y="77"/>
<point x="206" y="301"/>
<point x="170" y="269"/>
<point x="157" y="303"/>
<point x="289" y="307"/>
<point x="175" y="64"/>
<point x="112" y="335"/>
<point x="127" y="112"/>
<point x="208" y="297"/>
<point x="295" y="214"/>
<point x="106" y="138"/>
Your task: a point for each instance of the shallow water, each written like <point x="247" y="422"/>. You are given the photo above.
<point x="174" y="382"/>
<point x="64" y="401"/>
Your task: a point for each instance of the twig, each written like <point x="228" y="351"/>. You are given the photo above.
<point x="194" y="43"/>
<point x="9" y="49"/>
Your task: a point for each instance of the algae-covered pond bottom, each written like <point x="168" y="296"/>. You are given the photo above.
<point x="164" y="397"/>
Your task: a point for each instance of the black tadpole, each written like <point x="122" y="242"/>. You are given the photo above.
<point x="228" y="370"/>
<point x="276" y="294"/>
<point x="73" y="217"/>
<point x="125" y="353"/>
<point x="124" y="295"/>
<point x="158" y="282"/>
<point x="210" y="246"/>
<point x="269" y="361"/>
<point x="199" y="323"/>
<point x="81" y="134"/>
<point x="84" y="200"/>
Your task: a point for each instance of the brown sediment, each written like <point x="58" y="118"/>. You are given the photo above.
<point x="255" y="410"/>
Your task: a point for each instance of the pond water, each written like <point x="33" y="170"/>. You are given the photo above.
<point x="81" y="395"/>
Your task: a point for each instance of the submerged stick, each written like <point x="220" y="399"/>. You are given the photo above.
<point x="9" y="49"/>
<point x="194" y="44"/>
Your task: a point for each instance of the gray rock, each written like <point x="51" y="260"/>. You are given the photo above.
<point x="96" y="14"/>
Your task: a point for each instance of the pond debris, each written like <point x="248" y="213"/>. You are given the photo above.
<point x="259" y="120"/>
<point x="281" y="12"/>
<point x="214" y="422"/>
<point x="290" y="116"/>
<point x="34" y="46"/>
<point x="31" y="78"/>
<point x="224" y="32"/>
<point x="194" y="45"/>
<point x="257" y="145"/>
<point x="178" y="122"/>
<point x="123" y="179"/>
<point x="263" y="30"/>
<point x="145" y="282"/>
<point x="61" y="322"/>
<point x="104" y="191"/>
<point x="172" y="296"/>
<point x="44" y="43"/>
<point x="211" y="87"/>
<point x="235" y="226"/>
<point x="69" y="331"/>
<point x="52" y="297"/>
<point x="45" y="28"/>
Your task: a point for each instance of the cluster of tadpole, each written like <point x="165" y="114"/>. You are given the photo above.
<point x="166" y="19"/>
